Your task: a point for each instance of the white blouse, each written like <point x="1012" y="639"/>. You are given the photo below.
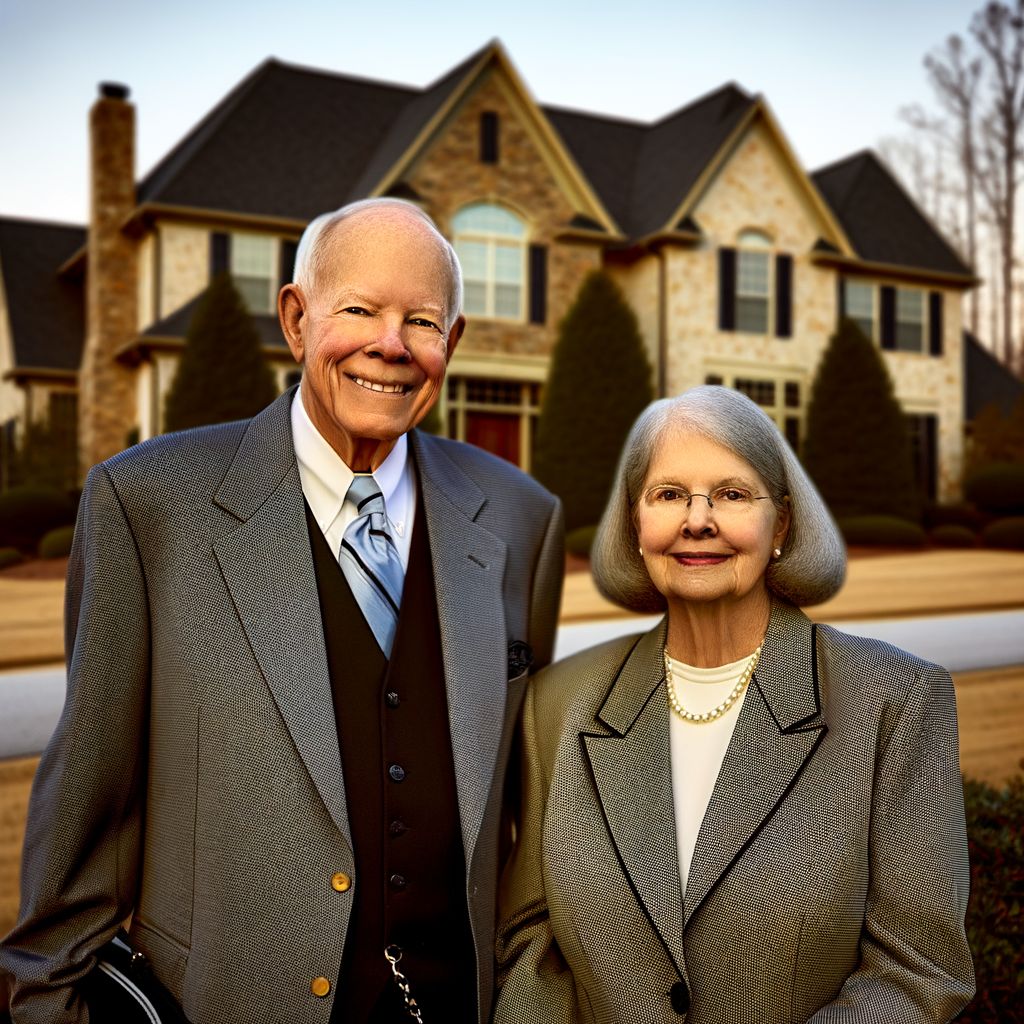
<point x="699" y="749"/>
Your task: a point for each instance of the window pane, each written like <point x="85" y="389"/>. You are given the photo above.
<point x="508" y="263"/>
<point x="493" y="392"/>
<point x="752" y="315"/>
<point x="485" y="219"/>
<point x="792" y="395"/>
<point x="909" y="337"/>
<point x="793" y="432"/>
<point x="473" y="258"/>
<point x="474" y="298"/>
<point x="714" y="378"/>
<point x="506" y="300"/>
<point x="255" y="292"/>
<point x="909" y="306"/>
<point x="252" y="256"/>
<point x="867" y="327"/>
<point x="752" y="276"/>
<point x="860" y="301"/>
<point x="761" y="391"/>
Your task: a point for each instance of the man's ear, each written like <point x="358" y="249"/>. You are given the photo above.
<point x="291" y="308"/>
<point x="454" y="334"/>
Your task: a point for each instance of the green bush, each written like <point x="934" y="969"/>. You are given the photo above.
<point x="857" y="449"/>
<point x="960" y="514"/>
<point x="995" y="924"/>
<point x="26" y="513"/>
<point x="997" y="488"/>
<point x="223" y="374"/>
<point x="1004" y="533"/>
<point x="57" y="543"/>
<point x="9" y="556"/>
<point x="882" y="531"/>
<point x="579" y="541"/>
<point x="599" y="382"/>
<point x="953" y="535"/>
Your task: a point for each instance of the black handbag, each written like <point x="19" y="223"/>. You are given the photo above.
<point x="122" y="988"/>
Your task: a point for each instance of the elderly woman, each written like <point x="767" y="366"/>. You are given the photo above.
<point x="739" y="816"/>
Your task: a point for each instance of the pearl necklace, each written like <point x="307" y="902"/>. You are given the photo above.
<point x="715" y="713"/>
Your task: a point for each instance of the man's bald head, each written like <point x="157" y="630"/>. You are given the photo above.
<point x="317" y="245"/>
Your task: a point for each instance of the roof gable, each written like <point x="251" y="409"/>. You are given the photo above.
<point x="47" y="312"/>
<point x="882" y="222"/>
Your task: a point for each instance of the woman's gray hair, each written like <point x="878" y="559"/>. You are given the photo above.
<point x="813" y="563"/>
<point x="312" y="252"/>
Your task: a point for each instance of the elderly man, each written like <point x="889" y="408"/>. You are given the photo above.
<point x="297" y="647"/>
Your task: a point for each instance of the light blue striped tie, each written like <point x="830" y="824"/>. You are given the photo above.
<point x="370" y="561"/>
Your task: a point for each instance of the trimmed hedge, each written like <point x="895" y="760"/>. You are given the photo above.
<point x="995" y="924"/>
<point x="57" y="543"/>
<point x="997" y="488"/>
<point x="953" y="535"/>
<point x="26" y="513"/>
<point x="9" y="556"/>
<point x="960" y="514"/>
<point x="882" y="531"/>
<point x="579" y="541"/>
<point x="1004" y="533"/>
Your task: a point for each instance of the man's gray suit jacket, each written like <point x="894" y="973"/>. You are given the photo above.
<point x="194" y="777"/>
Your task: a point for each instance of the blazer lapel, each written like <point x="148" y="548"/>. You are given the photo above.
<point x="633" y="773"/>
<point x="777" y="732"/>
<point x="267" y="566"/>
<point x="469" y="572"/>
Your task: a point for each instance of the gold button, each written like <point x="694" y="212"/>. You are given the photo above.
<point x="341" y="881"/>
<point x="320" y="986"/>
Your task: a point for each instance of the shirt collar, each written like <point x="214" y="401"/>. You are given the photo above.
<point x="325" y="476"/>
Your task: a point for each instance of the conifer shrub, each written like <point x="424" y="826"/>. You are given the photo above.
<point x="9" y="557"/>
<point x="953" y="535"/>
<point x="882" y="531"/>
<point x="857" y="449"/>
<point x="57" y="543"/>
<point x="223" y="374"/>
<point x="599" y="382"/>
<point x="28" y="512"/>
<point x="958" y="514"/>
<point x="579" y="541"/>
<point x="1004" y="533"/>
<point x="997" y="488"/>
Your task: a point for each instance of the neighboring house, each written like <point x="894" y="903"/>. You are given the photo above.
<point x="736" y="261"/>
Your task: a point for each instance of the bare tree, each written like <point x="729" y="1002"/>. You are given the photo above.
<point x="955" y="77"/>
<point x="999" y="31"/>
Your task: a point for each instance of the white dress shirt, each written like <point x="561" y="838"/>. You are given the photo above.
<point x="698" y="750"/>
<point x="326" y="480"/>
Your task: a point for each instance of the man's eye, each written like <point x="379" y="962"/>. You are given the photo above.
<point x="421" y="321"/>
<point x="358" y="310"/>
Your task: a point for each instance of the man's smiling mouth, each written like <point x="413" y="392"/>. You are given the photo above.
<point x="387" y="389"/>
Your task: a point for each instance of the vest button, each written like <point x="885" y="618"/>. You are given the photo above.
<point x="393" y="699"/>
<point x="398" y="828"/>
<point x="397" y="772"/>
<point x="398" y="882"/>
<point x="340" y="882"/>
<point x="680" y="996"/>
<point x="320" y="986"/>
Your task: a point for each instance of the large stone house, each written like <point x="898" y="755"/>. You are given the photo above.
<point x="736" y="261"/>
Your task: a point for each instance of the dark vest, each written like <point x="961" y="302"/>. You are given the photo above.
<point x="396" y="753"/>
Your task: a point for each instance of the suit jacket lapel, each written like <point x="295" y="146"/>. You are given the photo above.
<point x="777" y="732"/>
<point x="633" y="774"/>
<point x="267" y="566"/>
<point x="469" y="571"/>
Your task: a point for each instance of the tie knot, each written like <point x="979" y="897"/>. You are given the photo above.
<point x="363" y="491"/>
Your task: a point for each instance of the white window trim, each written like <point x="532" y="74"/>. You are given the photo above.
<point x="491" y="241"/>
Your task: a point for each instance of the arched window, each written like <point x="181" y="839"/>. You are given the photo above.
<point x="490" y="242"/>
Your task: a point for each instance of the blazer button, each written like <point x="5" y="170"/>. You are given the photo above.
<point x="680" y="996"/>
<point x="320" y="986"/>
<point x="393" y="699"/>
<point x="341" y="882"/>
<point x="398" y="882"/>
<point x="397" y="772"/>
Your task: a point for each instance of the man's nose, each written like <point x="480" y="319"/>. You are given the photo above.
<point x="389" y="343"/>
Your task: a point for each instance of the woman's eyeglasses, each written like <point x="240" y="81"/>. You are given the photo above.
<point x="724" y="502"/>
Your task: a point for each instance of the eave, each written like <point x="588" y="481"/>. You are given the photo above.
<point x="897" y="271"/>
<point x="145" y="215"/>
<point x="21" y="374"/>
<point x="135" y="351"/>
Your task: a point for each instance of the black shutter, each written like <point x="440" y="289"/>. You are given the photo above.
<point x="286" y="270"/>
<point x="930" y="444"/>
<point x="488" y="137"/>
<point x="727" y="289"/>
<point x="783" y="296"/>
<point x="935" y="323"/>
<point x="888" y="302"/>
<point x="840" y="298"/>
<point x="220" y="253"/>
<point x="538" y="284"/>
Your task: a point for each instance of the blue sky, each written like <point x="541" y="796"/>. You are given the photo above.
<point x="835" y="73"/>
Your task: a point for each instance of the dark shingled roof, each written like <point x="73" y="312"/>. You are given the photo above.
<point x="643" y="172"/>
<point x="287" y="142"/>
<point x="882" y="222"/>
<point x="268" y="327"/>
<point x="47" y="313"/>
<point x="987" y="380"/>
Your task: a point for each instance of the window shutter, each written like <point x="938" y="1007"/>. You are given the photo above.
<point x="840" y="298"/>
<point x="538" y="284"/>
<point x="220" y="253"/>
<point x="887" y="295"/>
<point x="783" y="296"/>
<point x="727" y="289"/>
<point x="287" y="268"/>
<point x="935" y="323"/>
<point x="488" y="137"/>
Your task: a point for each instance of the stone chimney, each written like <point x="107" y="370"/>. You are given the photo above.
<point x="106" y="386"/>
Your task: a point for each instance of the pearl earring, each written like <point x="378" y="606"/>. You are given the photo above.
<point x="641" y="550"/>
<point x="778" y="552"/>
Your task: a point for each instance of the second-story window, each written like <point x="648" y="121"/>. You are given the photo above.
<point x="254" y="270"/>
<point x="490" y="243"/>
<point x="860" y="306"/>
<point x="909" y="320"/>
<point x="753" y="283"/>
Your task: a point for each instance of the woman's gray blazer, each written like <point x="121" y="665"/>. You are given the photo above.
<point x="830" y="877"/>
